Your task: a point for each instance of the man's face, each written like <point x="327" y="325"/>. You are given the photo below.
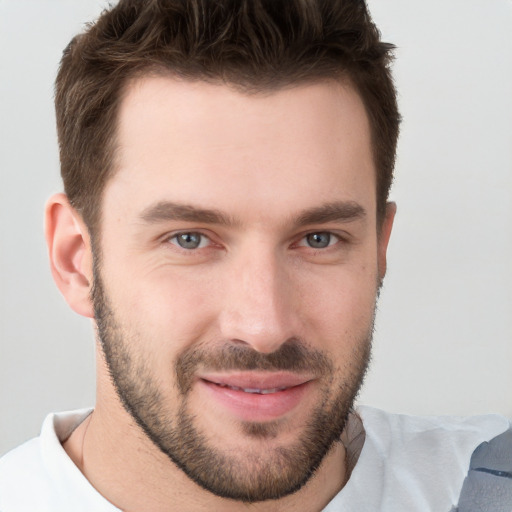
<point x="235" y="292"/>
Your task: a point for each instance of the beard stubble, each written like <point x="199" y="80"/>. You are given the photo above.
<point x="255" y="475"/>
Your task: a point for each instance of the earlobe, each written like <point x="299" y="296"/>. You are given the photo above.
<point x="384" y="235"/>
<point x="69" y="250"/>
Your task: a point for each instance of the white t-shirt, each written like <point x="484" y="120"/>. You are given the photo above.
<point x="407" y="464"/>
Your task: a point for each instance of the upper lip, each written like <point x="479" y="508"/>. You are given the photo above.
<point x="257" y="380"/>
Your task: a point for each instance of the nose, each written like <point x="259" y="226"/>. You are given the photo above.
<point x="259" y="304"/>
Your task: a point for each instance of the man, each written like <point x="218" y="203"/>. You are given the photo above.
<point x="225" y="224"/>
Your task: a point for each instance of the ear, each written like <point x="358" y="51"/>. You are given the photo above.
<point x="383" y="238"/>
<point x="69" y="249"/>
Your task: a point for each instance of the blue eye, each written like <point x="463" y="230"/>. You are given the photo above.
<point x="319" y="240"/>
<point x="190" y="240"/>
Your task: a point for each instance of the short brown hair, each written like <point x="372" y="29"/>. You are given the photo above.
<point x="255" y="45"/>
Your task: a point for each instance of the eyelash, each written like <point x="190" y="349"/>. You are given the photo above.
<point x="333" y="239"/>
<point x="205" y="241"/>
<point x="202" y="236"/>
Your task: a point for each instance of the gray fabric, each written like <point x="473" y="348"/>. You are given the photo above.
<point x="488" y="486"/>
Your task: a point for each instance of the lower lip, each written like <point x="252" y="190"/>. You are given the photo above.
<point x="255" y="407"/>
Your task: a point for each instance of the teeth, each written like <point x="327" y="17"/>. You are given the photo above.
<point x="253" y="390"/>
<point x="268" y="391"/>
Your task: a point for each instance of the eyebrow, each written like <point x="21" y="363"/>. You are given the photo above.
<point x="168" y="211"/>
<point x="164" y="211"/>
<point x="338" y="211"/>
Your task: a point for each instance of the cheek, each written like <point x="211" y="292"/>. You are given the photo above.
<point x="165" y="310"/>
<point x="341" y="307"/>
<point x="174" y="307"/>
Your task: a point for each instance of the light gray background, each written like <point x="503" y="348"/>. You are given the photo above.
<point x="444" y="332"/>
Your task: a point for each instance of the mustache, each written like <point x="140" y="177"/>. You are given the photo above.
<point x="293" y="355"/>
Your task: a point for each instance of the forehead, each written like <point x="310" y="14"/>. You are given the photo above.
<point x="196" y="142"/>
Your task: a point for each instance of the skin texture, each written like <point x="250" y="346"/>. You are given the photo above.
<point x="254" y="304"/>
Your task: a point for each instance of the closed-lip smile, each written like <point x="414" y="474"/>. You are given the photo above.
<point x="256" y="396"/>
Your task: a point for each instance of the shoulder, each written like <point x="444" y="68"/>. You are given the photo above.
<point x="389" y="428"/>
<point x="38" y="475"/>
<point x="488" y="484"/>
<point x="17" y="458"/>
<point x="418" y="462"/>
<point x="23" y="476"/>
<point x="430" y="439"/>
